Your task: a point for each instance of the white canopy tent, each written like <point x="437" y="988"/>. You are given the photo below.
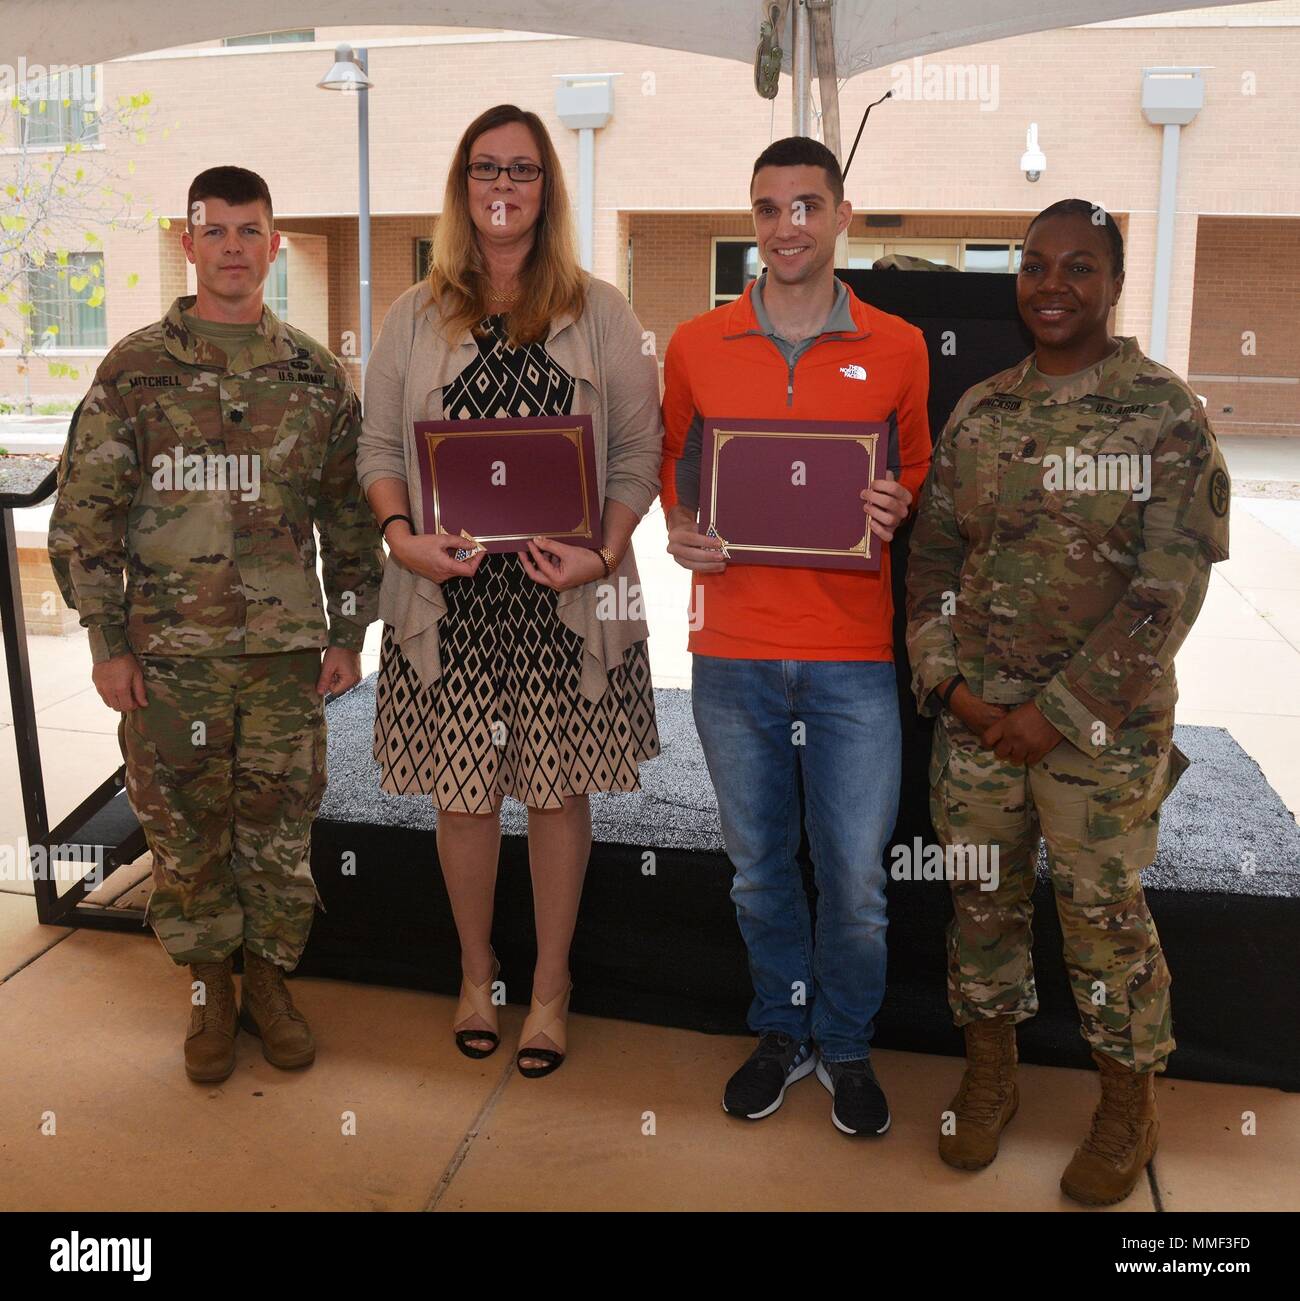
<point x="868" y="33"/>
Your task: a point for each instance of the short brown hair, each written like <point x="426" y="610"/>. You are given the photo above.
<point x="803" y="151"/>
<point x="232" y="185"/>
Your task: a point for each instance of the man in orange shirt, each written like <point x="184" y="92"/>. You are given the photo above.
<point x="793" y="670"/>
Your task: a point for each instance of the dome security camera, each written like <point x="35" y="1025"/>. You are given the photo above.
<point x="1033" y="162"/>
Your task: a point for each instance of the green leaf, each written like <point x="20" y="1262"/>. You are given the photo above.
<point x="96" y="296"/>
<point x="132" y="280"/>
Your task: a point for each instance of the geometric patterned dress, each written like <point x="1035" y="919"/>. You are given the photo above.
<point x="507" y="716"/>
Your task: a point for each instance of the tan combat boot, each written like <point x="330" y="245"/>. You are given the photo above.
<point x="268" y="1012"/>
<point x="988" y="1096"/>
<point x="210" y="1042"/>
<point x="1122" y="1140"/>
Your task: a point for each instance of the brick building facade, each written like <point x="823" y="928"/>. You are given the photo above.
<point x="935" y="176"/>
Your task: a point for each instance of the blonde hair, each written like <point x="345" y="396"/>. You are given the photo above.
<point x="551" y="283"/>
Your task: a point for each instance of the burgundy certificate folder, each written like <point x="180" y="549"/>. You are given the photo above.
<point x="785" y="492"/>
<point x="501" y="482"/>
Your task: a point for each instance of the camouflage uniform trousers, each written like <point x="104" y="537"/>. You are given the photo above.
<point x="1099" y="818"/>
<point x="227" y="808"/>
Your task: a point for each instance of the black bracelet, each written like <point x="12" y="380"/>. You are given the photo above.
<point x="946" y="696"/>
<point x="383" y="528"/>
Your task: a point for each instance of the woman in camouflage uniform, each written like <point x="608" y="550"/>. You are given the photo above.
<point x="1062" y="551"/>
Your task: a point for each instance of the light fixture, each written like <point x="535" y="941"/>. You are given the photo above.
<point x="1033" y="162"/>
<point x="347" y="74"/>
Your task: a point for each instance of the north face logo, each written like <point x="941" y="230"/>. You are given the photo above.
<point x="853" y="372"/>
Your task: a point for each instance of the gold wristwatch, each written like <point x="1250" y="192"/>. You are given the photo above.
<point x="608" y="559"/>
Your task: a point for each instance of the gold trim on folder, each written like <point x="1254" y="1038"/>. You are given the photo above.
<point x="860" y="548"/>
<point x="583" y="529"/>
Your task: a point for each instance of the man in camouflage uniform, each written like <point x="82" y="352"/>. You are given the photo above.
<point x="1061" y="554"/>
<point x="207" y="450"/>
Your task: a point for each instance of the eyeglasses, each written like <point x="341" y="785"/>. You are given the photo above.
<point x="517" y="171"/>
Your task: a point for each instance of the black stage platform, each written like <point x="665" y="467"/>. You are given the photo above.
<point x="663" y="947"/>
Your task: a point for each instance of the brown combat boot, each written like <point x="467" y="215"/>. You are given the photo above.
<point x="988" y="1096"/>
<point x="268" y="1012"/>
<point x="1122" y="1140"/>
<point x="210" y="1042"/>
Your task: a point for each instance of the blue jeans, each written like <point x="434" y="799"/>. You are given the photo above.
<point x="849" y="750"/>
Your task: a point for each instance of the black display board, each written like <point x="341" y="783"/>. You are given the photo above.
<point x="972" y="330"/>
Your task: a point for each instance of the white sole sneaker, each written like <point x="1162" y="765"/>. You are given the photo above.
<point x="800" y="1072"/>
<point x="829" y="1084"/>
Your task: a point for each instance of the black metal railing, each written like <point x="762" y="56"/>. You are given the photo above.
<point x="102" y="830"/>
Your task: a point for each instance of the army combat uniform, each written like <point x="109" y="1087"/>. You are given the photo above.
<point x="1061" y="554"/>
<point x="199" y="473"/>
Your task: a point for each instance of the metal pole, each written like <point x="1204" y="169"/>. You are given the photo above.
<point x="801" y="68"/>
<point x="587" y="195"/>
<point x="1166" y="212"/>
<point x="363" y="210"/>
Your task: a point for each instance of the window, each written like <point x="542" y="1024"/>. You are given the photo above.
<point x="945" y="252"/>
<point x="969" y="255"/>
<point x="423" y="254"/>
<point x="273" y="38"/>
<point x="67" y="302"/>
<point x="735" y="264"/>
<point x="863" y="254"/>
<point x="59" y="111"/>
<point x="991" y="257"/>
<point x="276" y="293"/>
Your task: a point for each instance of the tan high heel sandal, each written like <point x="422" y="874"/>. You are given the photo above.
<point x="548" y="1019"/>
<point x="476" y="1000"/>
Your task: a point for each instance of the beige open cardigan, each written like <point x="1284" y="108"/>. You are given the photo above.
<point x="616" y="383"/>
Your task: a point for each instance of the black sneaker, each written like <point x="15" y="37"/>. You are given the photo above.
<point x="859" y="1107"/>
<point x="758" y="1088"/>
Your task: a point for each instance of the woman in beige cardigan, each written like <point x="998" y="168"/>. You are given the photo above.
<point x="511" y="674"/>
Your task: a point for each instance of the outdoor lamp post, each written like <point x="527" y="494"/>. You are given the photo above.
<point x="349" y="75"/>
